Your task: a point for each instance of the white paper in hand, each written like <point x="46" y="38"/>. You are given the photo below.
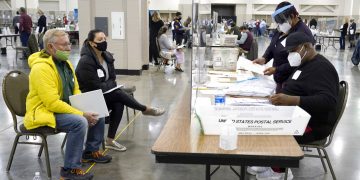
<point x="92" y="101"/>
<point x="248" y="65"/>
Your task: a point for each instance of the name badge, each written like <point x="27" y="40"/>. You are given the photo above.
<point x="296" y="75"/>
<point x="100" y="73"/>
<point x="283" y="42"/>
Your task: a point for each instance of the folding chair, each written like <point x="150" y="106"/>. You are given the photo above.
<point x="15" y="88"/>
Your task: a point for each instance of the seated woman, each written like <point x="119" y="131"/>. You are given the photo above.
<point x="95" y="70"/>
<point x="314" y="87"/>
<point x="167" y="50"/>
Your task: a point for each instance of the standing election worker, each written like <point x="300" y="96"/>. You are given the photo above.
<point x="287" y="18"/>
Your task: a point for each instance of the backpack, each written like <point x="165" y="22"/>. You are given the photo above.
<point x="356" y="55"/>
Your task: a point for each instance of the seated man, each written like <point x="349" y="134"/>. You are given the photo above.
<point x="313" y="86"/>
<point x="246" y="39"/>
<point x="52" y="81"/>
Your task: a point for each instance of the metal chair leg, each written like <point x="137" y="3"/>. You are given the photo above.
<point x="16" y="56"/>
<point x="329" y="164"/>
<point x="16" y="140"/>
<point x="132" y="94"/>
<point x="64" y="141"/>
<point x="41" y="150"/>
<point x="47" y="156"/>
<point x="322" y="159"/>
<point x="286" y="173"/>
<point x="127" y="113"/>
<point x="103" y="145"/>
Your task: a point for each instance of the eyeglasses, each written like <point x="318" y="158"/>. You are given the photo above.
<point x="64" y="45"/>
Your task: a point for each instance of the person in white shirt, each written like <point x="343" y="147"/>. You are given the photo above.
<point x="167" y="50"/>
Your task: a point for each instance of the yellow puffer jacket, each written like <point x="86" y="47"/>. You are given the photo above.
<point x="44" y="98"/>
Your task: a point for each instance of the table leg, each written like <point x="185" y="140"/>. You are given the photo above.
<point x="286" y="173"/>
<point x="242" y="172"/>
<point x="207" y="172"/>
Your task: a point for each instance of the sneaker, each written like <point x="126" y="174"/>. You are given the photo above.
<point x="253" y="170"/>
<point x="154" y="111"/>
<point x="271" y="175"/>
<point x="115" y="146"/>
<point x="75" y="174"/>
<point x="95" y="157"/>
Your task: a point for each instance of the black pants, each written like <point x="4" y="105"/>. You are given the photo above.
<point x="342" y="41"/>
<point x="179" y="39"/>
<point x="116" y="101"/>
<point x="352" y="40"/>
<point x="153" y="51"/>
<point x="186" y="36"/>
<point x="16" y="32"/>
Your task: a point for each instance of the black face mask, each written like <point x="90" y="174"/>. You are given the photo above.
<point x="101" y="46"/>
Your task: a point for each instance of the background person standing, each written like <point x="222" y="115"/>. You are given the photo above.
<point x="155" y="24"/>
<point x="352" y="31"/>
<point x="343" y="30"/>
<point x="25" y="26"/>
<point x="16" y="21"/>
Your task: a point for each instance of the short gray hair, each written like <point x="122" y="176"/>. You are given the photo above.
<point x="51" y="36"/>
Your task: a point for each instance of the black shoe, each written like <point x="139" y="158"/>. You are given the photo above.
<point x="95" y="157"/>
<point x="179" y="69"/>
<point x="156" y="63"/>
<point x="75" y="174"/>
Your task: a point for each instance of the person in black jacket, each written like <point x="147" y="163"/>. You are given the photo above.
<point x="314" y="87"/>
<point x="16" y="21"/>
<point x="313" y="22"/>
<point x="155" y="24"/>
<point x="42" y="22"/>
<point x="352" y="32"/>
<point x="179" y="29"/>
<point x="95" y="70"/>
<point x="343" y="30"/>
<point x="287" y="18"/>
<point x="42" y="25"/>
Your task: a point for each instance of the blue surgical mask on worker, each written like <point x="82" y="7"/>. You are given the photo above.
<point x="295" y="58"/>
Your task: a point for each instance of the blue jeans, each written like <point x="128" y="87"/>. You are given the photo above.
<point x="24" y="37"/>
<point x="342" y="42"/>
<point x="75" y="126"/>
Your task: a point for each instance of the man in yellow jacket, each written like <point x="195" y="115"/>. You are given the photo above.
<point x="52" y="81"/>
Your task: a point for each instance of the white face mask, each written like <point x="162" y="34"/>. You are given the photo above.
<point x="295" y="58"/>
<point x="285" y="27"/>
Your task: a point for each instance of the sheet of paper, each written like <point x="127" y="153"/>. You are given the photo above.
<point x="118" y="25"/>
<point x="248" y="65"/>
<point x="92" y="101"/>
<point x="247" y="101"/>
<point x="111" y="90"/>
